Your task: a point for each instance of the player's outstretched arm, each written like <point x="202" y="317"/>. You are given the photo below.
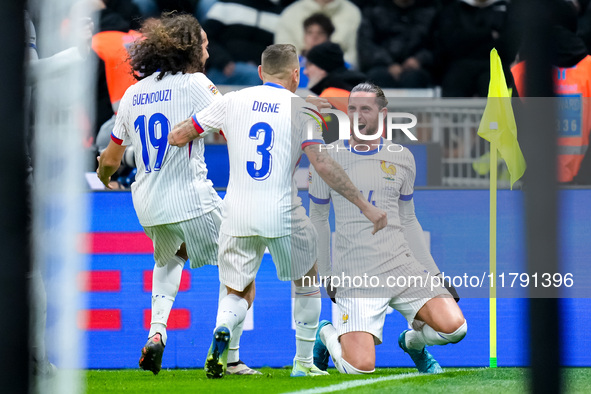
<point x="334" y="175"/>
<point x="183" y="133"/>
<point x="319" y="217"/>
<point x="320" y="102"/>
<point x="413" y="232"/>
<point x="109" y="161"/>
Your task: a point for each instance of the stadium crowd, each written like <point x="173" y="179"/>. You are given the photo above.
<point x="392" y="43"/>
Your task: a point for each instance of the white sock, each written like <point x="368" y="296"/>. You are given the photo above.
<point x="231" y="312"/>
<point x="330" y="337"/>
<point x="347" y="368"/>
<point x="306" y="312"/>
<point x="158" y="328"/>
<point x="234" y="350"/>
<point x="427" y="336"/>
<point x="165" y="286"/>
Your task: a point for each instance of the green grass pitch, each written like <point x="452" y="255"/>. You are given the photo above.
<point x="384" y="380"/>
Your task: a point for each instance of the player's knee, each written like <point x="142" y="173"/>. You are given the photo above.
<point x="451" y="323"/>
<point x="458" y="334"/>
<point x="455" y="323"/>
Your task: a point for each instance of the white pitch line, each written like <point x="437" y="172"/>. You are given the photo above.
<point x="364" y="382"/>
<point x="356" y="383"/>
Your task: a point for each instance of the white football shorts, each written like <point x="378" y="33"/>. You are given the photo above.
<point x="364" y="308"/>
<point x="199" y="234"/>
<point x="240" y="257"/>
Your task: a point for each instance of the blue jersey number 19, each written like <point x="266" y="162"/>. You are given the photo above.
<point x="263" y="149"/>
<point x="150" y="140"/>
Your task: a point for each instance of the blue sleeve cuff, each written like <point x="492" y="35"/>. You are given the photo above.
<point x="317" y="200"/>
<point x="311" y="142"/>
<point x="404" y="197"/>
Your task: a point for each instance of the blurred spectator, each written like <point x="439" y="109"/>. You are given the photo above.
<point x="238" y="32"/>
<point x="110" y="42"/>
<point x="344" y="15"/>
<point x="186" y="6"/>
<point x="465" y="31"/>
<point x="329" y="77"/>
<point x="128" y="10"/>
<point x="153" y="8"/>
<point x="147" y="8"/>
<point x="572" y="83"/>
<point x="317" y="29"/>
<point x="362" y="4"/>
<point x="393" y="43"/>
<point x="584" y="22"/>
<point x="202" y="8"/>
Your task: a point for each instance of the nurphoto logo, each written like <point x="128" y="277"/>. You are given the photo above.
<point x="345" y="124"/>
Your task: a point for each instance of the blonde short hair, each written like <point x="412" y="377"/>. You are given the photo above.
<point x="279" y="60"/>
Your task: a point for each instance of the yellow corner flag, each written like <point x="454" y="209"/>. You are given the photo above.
<point x="498" y="123"/>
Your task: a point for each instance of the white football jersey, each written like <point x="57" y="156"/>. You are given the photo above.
<point x="383" y="176"/>
<point x="266" y="132"/>
<point x="171" y="184"/>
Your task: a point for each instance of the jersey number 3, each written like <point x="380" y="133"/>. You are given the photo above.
<point x="150" y="142"/>
<point x="257" y="132"/>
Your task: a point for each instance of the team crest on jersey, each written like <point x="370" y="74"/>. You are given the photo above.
<point x="345" y="318"/>
<point x="389" y="169"/>
<point x="213" y="89"/>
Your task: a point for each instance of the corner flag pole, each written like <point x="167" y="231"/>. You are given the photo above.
<point x="493" y="252"/>
<point x="498" y="127"/>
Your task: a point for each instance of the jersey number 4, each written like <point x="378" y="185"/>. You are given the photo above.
<point x="261" y="131"/>
<point x="152" y="145"/>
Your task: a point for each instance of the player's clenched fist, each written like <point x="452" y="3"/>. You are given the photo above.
<point x="182" y="133"/>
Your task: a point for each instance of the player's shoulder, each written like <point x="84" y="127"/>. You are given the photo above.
<point x="142" y="84"/>
<point x="133" y="90"/>
<point x="203" y="81"/>
<point x="268" y="89"/>
<point x="396" y="152"/>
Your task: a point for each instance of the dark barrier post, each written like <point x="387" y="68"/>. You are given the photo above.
<point x="539" y="141"/>
<point x="14" y="245"/>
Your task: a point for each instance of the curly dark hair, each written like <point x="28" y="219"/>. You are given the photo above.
<point x="169" y="44"/>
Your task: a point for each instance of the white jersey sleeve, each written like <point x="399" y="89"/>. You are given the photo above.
<point x="212" y="119"/>
<point x="319" y="194"/>
<point x="408" y="183"/>
<point x="203" y="91"/>
<point x="120" y="134"/>
<point x="318" y="190"/>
